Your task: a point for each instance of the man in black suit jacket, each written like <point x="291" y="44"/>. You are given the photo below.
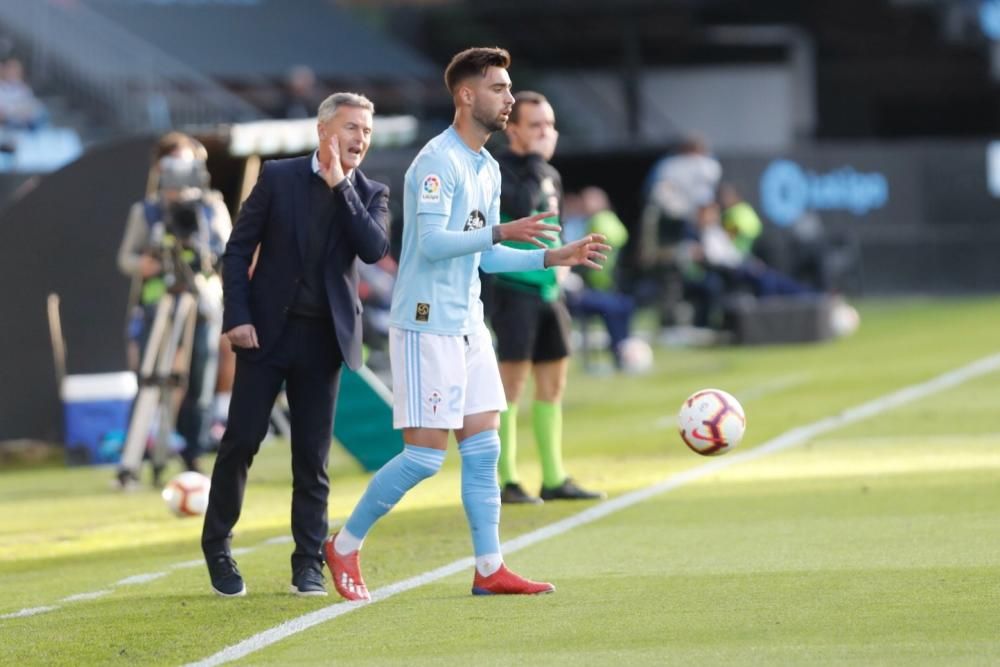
<point x="293" y="320"/>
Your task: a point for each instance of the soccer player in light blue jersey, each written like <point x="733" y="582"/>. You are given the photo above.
<point x="444" y="370"/>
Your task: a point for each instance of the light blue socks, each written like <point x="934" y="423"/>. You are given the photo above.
<point x="481" y="497"/>
<point x="392" y="481"/>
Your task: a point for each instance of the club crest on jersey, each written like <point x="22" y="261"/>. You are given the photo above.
<point x="423" y="312"/>
<point x="430" y="189"/>
<point x="476" y="220"/>
<point x="434" y="400"/>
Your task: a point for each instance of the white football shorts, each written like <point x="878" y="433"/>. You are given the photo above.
<point x="437" y="380"/>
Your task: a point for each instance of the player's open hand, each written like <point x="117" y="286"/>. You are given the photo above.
<point x="530" y="230"/>
<point x="245" y="335"/>
<point x="590" y="251"/>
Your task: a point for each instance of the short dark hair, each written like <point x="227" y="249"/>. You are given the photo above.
<point x="525" y="97"/>
<point x="473" y="62"/>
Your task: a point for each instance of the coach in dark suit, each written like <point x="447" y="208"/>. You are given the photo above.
<point x="293" y="322"/>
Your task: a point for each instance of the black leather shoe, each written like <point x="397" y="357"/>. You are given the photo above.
<point x="568" y="490"/>
<point x="307" y="581"/>
<point x="513" y="493"/>
<point x="226" y="579"/>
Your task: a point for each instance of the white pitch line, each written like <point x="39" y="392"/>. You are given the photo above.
<point x="140" y="578"/>
<point x="80" y="597"/>
<point x="30" y="611"/>
<point x="137" y="579"/>
<point x="792" y="438"/>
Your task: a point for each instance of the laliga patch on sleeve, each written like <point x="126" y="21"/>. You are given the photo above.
<point x="430" y="189"/>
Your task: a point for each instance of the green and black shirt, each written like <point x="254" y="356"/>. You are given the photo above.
<point x="529" y="185"/>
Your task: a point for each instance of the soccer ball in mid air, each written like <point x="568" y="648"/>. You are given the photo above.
<point x="711" y="422"/>
<point x="187" y="494"/>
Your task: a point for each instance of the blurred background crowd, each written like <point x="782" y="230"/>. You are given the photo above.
<point x="757" y="166"/>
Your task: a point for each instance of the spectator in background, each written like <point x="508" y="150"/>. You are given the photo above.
<point x="801" y="251"/>
<point x="573" y="217"/>
<point x="19" y="108"/>
<point x="739" y="219"/>
<point x="301" y="96"/>
<point x="599" y="295"/>
<point x="678" y="185"/>
<point x="715" y="267"/>
<point x="376" y="282"/>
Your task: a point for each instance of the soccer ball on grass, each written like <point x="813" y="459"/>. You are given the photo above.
<point x="187" y="494"/>
<point x="636" y="356"/>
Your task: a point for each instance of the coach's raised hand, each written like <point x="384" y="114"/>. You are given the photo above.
<point x="529" y="230"/>
<point x="332" y="171"/>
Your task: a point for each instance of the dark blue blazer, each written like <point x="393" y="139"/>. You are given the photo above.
<point x="276" y="217"/>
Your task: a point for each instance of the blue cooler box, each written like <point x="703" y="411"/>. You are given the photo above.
<point x="96" y="410"/>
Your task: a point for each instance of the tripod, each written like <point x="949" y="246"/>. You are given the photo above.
<point x="165" y="367"/>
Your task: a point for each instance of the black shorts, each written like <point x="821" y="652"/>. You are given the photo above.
<point x="528" y="328"/>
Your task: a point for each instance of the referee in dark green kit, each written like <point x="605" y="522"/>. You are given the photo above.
<point x="528" y="315"/>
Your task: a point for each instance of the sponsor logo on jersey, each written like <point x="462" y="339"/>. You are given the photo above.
<point x="423" y="312"/>
<point x="430" y="189"/>
<point x="476" y="220"/>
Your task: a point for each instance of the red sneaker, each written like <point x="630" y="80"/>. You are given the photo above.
<point x="505" y="582"/>
<point x="345" y="572"/>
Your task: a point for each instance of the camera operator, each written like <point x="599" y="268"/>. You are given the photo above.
<point x="172" y="244"/>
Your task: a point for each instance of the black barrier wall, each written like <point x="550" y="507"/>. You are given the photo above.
<point x="63" y="237"/>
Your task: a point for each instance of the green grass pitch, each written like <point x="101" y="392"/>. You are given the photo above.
<point x="875" y="543"/>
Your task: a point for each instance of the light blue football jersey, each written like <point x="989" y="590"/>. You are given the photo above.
<point x="446" y="178"/>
